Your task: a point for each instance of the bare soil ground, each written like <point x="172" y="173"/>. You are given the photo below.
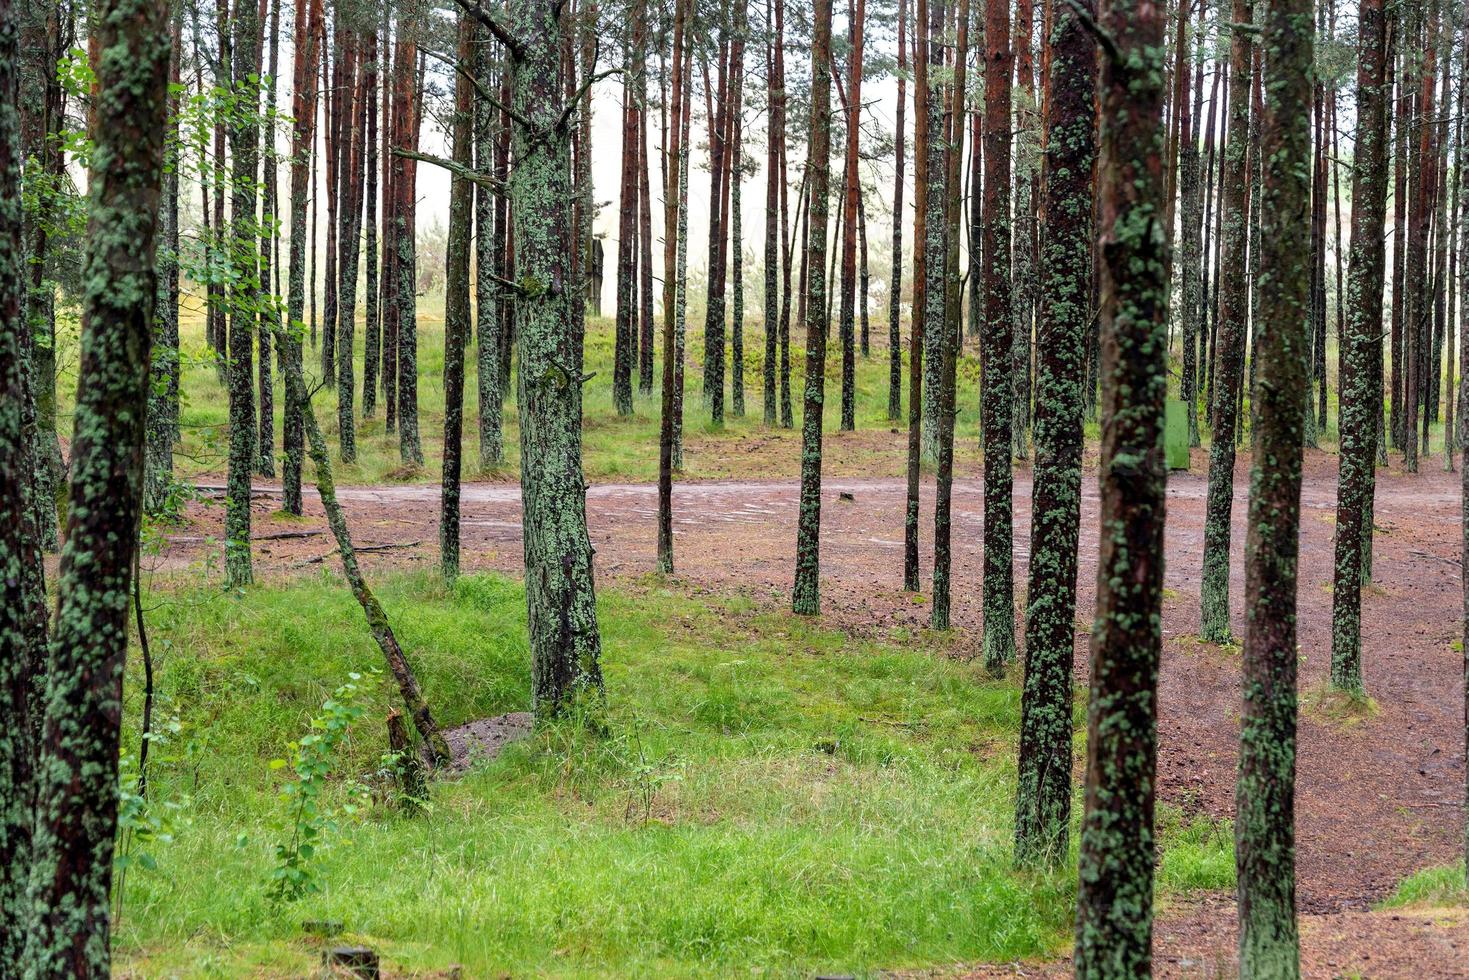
<point x="1378" y="797"/>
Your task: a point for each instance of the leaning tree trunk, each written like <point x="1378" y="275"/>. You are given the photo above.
<point x="806" y="596"/>
<point x="1043" y="785"/>
<point x="76" y="803"/>
<point x="1114" y="916"/>
<point x="1360" y="409"/>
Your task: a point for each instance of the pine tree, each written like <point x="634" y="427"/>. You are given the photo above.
<point x="1229" y="352"/>
<point x="457" y="311"/>
<point x="996" y="343"/>
<point x="806" y="596"/>
<point x="714" y="329"/>
<point x="23" y="623"/>
<point x="1024" y="281"/>
<point x="1043" y="791"/>
<point x="945" y="115"/>
<point x="269" y="311"/>
<point x="922" y="96"/>
<point x="163" y="394"/>
<point x="672" y="222"/>
<point x="1269" y="945"/>
<point x="852" y="192"/>
<point x="244" y="296"/>
<point x="895" y="278"/>
<point x="406" y="120"/>
<point x="349" y="214"/>
<point x="76" y="804"/>
<point x="774" y="228"/>
<point x="1361" y="356"/>
<point x="372" y="351"/>
<point x="489" y="238"/>
<point x="309" y="18"/>
<point x="1115" y="904"/>
<point x="626" y="337"/>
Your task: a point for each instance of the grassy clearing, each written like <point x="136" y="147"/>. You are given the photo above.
<point x="772" y="797"/>
<point x="1431" y="888"/>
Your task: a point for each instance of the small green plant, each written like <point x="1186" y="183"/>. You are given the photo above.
<point x="647" y="776"/>
<point x="311" y="821"/>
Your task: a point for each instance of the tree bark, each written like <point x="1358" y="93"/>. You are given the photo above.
<point x="1115" y="904"/>
<point x="457" y="312"/>
<point x="1229" y="350"/>
<point x="76" y="806"/>
<point x="1043" y="789"/>
<point x="805" y="597"/>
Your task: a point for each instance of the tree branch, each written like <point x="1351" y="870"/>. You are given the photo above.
<point x="457" y="169"/>
<point x="492" y="23"/>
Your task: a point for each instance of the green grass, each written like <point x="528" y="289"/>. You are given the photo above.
<point x="771" y="796"/>
<point x="615" y="448"/>
<point x="1432" y="887"/>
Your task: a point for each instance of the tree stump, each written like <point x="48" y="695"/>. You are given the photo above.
<point x="355" y="961"/>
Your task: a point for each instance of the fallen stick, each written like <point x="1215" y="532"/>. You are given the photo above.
<point x="359" y="550"/>
<point x="274" y="536"/>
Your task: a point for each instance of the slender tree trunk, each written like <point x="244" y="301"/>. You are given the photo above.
<point x="787" y="414"/>
<point x="76" y="803"/>
<point x="1043" y="791"/>
<point x="1191" y="294"/>
<point x="922" y="96"/>
<point x="945" y="115"/>
<point x="265" y="430"/>
<point x="244" y="295"/>
<point x="457" y="313"/>
<point x="23" y="623"/>
<point x="1115" y="904"/>
<point x="1361" y="389"/>
<point x="405" y="126"/>
<point x="645" y="233"/>
<point x="1024" y="280"/>
<point x="331" y="67"/>
<point x="895" y="278"/>
<point x="736" y="230"/>
<point x="997" y="345"/>
<point x="805" y="597"/>
<point x="372" y="344"/>
<point x="1269" y="945"/>
<point x="1229" y="351"/>
<point x="490" y="385"/>
<point x="349" y="216"/>
<point x="718" y="165"/>
<point x="672" y="222"/>
<point x="774" y="230"/>
<point x="626" y="336"/>
<point x="163" y="399"/>
<point x="852" y="191"/>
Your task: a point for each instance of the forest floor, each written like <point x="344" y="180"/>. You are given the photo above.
<point x="1380" y="788"/>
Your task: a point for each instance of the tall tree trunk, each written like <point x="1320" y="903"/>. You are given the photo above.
<point x="163" y="399"/>
<point x="23" y="623"/>
<point x="852" y="191"/>
<point x="1191" y="294"/>
<point x="76" y="805"/>
<point x="945" y="117"/>
<point x="718" y="165"/>
<point x="457" y="311"/>
<point x="672" y="223"/>
<point x="265" y="430"/>
<point x="1115" y="905"/>
<point x="349" y="215"/>
<point x="244" y="297"/>
<point x="1269" y="945"/>
<point x="565" y="643"/>
<point x="774" y="229"/>
<point x="1043" y="790"/>
<point x="405" y="126"/>
<point x="372" y="344"/>
<point x="922" y="96"/>
<point x="489" y="384"/>
<point x="806" y="596"/>
<point x="787" y="414"/>
<point x="1229" y="349"/>
<point x="309" y="18"/>
<point x="626" y="337"/>
<point x="331" y="67"/>
<point x="736" y="229"/>
<point x="645" y="233"/>
<point x="1024" y="280"/>
<point x="895" y="278"/>
<point x="1360" y="409"/>
<point x="996" y="341"/>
